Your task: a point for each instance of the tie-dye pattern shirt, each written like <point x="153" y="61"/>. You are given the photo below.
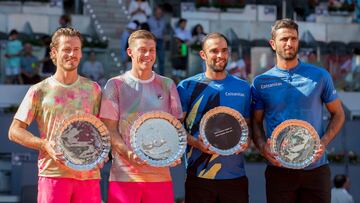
<point x="125" y="98"/>
<point x="50" y="102"/>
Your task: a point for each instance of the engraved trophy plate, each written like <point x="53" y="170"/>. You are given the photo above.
<point x="158" y="138"/>
<point x="225" y="130"/>
<point x="295" y="143"/>
<point x="84" y="141"/>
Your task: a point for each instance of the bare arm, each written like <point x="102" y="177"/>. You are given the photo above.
<point x="336" y="121"/>
<point x="259" y="138"/>
<point x="118" y="143"/>
<point x="258" y="134"/>
<point x="18" y="133"/>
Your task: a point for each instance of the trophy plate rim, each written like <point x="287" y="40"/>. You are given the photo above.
<point x="294" y="122"/>
<point x="104" y="138"/>
<point x="174" y="122"/>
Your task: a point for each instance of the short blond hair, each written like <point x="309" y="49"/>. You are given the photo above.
<point x="68" y="32"/>
<point x="140" y="34"/>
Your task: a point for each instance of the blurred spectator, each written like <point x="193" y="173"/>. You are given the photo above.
<point x="336" y="4"/>
<point x="180" y="48"/>
<point x="352" y="78"/>
<point x="130" y="28"/>
<point x="181" y="32"/>
<point x="144" y="26"/>
<point x="12" y="54"/>
<point x="339" y="193"/>
<point x="197" y="34"/>
<point x="48" y="67"/>
<point x="300" y="7"/>
<point x="29" y="66"/>
<point x="312" y="58"/>
<point x="236" y="66"/>
<point x="357" y="11"/>
<point x="93" y="69"/>
<point x="139" y="10"/>
<point x="157" y="27"/>
<point x="64" y="21"/>
<point x="196" y="64"/>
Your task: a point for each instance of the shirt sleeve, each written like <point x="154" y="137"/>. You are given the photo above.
<point x="175" y="105"/>
<point x="183" y="96"/>
<point x="329" y="93"/>
<point x="110" y="101"/>
<point x="256" y="102"/>
<point x="97" y="96"/>
<point x="28" y="107"/>
<point x="247" y="106"/>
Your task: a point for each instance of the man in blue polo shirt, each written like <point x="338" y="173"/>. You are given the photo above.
<point x="212" y="177"/>
<point x="294" y="90"/>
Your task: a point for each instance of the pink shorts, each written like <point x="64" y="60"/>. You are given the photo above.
<point x="60" y="190"/>
<point x="141" y="192"/>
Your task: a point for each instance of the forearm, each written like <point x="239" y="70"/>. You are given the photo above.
<point x="25" y="138"/>
<point x="336" y="121"/>
<point x="118" y="143"/>
<point x="333" y="128"/>
<point x="258" y="136"/>
<point x="192" y="141"/>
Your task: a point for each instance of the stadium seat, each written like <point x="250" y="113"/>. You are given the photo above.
<point x="338" y="48"/>
<point x="3" y="36"/>
<point x="260" y="43"/>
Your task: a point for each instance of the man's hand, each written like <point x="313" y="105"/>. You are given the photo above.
<point x="270" y="156"/>
<point x="49" y="148"/>
<point x="199" y="143"/>
<point x="244" y="147"/>
<point x="175" y="163"/>
<point x="319" y="152"/>
<point x="134" y="159"/>
<point x="101" y="165"/>
<point x="118" y="145"/>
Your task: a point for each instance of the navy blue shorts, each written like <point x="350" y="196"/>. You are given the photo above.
<point x="296" y="186"/>
<point x="201" y="190"/>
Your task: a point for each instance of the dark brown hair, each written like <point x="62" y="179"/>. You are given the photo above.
<point x="212" y="36"/>
<point x="283" y="23"/>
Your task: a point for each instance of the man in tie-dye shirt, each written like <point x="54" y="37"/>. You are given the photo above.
<point x="125" y="98"/>
<point x="49" y="103"/>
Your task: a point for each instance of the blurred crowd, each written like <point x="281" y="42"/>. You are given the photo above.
<point x="178" y="46"/>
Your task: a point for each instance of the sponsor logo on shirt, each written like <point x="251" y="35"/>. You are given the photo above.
<point x="234" y="94"/>
<point x="270" y="85"/>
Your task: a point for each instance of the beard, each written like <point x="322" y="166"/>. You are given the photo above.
<point x="70" y="67"/>
<point x="288" y="56"/>
<point x="217" y="69"/>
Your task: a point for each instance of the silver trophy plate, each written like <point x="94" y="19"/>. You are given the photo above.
<point x="295" y="143"/>
<point x="83" y="140"/>
<point x="158" y="138"/>
<point x="225" y="130"/>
